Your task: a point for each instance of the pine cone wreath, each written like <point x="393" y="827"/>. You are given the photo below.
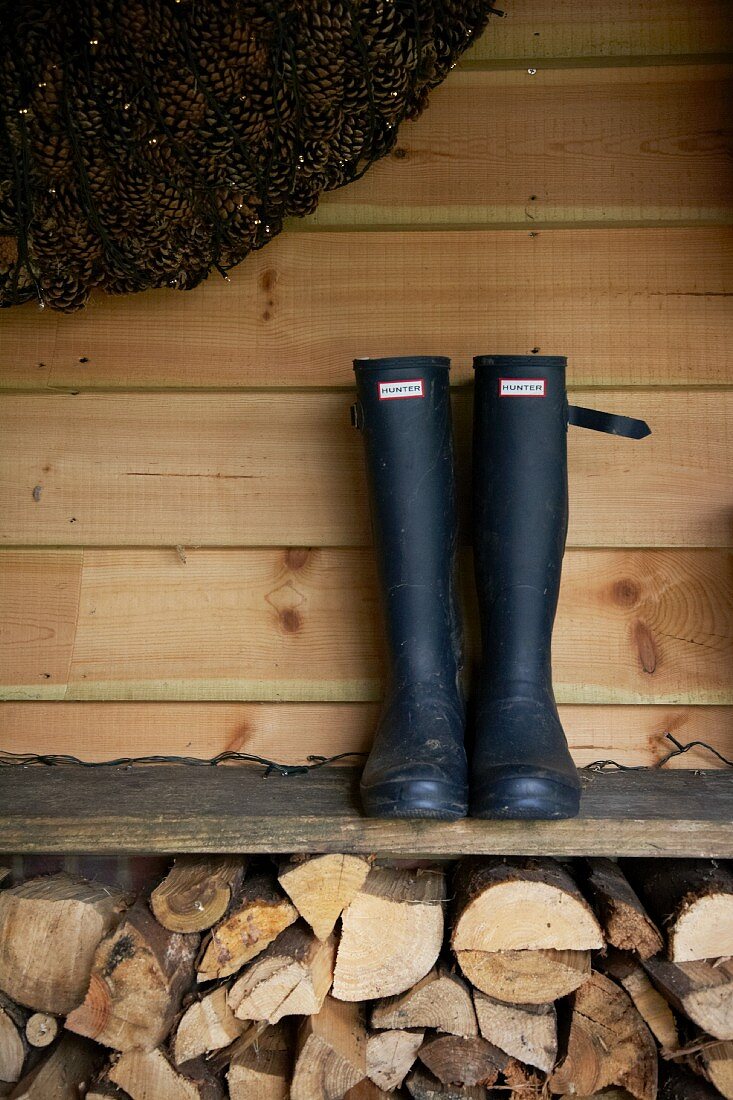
<point x="145" y="143"/>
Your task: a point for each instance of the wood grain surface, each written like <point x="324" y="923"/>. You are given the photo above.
<point x="627" y="306"/>
<point x="290" y="732"/>
<point x="261" y="469"/>
<point x="633" y="626"/>
<point x="179" y="809"/>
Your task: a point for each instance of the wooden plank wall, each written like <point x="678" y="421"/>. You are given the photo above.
<point x="185" y="562"/>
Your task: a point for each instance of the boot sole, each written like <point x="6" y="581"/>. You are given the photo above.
<point x="526" y="798"/>
<point x="427" y="799"/>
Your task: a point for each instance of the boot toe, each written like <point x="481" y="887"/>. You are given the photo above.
<point x="529" y="797"/>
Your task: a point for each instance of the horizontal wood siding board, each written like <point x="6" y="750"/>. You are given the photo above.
<point x="175" y="809"/>
<point x="628" y="307"/>
<point x="290" y="732"/>
<point x="571" y="29"/>
<point x="595" y="145"/>
<point x="260" y="469"/>
<point x="267" y="625"/>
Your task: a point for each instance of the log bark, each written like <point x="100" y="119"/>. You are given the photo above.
<point x="525" y="1082"/>
<point x="649" y="1002"/>
<point x="263" y="1069"/>
<point x="63" y="1073"/>
<point x="441" y="1001"/>
<point x="391" y="934"/>
<point x="463" y="1062"/>
<point x="526" y="977"/>
<point x="331" y="1056"/>
<point x="208" y="1024"/>
<point x="41" y="1029"/>
<point x="390" y="1055"/>
<point x="139" y="976"/>
<point x="49" y="931"/>
<point x="520" y="905"/>
<point x="608" y="1044"/>
<point x="259" y="913"/>
<point x="320" y="887"/>
<point x="290" y="977"/>
<point x="715" y="1063"/>
<point x="197" y="891"/>
<point x="13" y="1043"/>
<point x="700" y="990"/>
<point x="625" y="922"/>
<point x="145" y="1075"/>
<point x="692" y="900"/>
<point x="525" y="1032"/>
<point x="421" y="1085"/>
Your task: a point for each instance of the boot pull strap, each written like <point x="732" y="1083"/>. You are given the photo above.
<point x="357" y="416"/>
<point x="611" y="423"/>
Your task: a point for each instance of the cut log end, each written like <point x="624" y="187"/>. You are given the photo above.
<point x="196" y="892"/>
<point x="390" y="1055"/>
<point x="440" y="1001"/>
<point x="526" y="977"/>
<point x="463" y="1062"/>
<point x="527" y="1033"/>
<point x="391" y="934"/>
<point x="321" y="887"/>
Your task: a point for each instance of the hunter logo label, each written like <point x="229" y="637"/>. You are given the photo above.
<point x="521" y="387"/>
<point x="390" y="391"/>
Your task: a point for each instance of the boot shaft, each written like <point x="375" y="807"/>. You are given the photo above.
<point x="404" y="413"/>
<point x="520" y="510"/>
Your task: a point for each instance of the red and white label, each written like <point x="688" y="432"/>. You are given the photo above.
<point x="400" y="388"/>
<point x="521" y="387"/>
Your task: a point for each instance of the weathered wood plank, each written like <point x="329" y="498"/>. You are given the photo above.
<point x="175" y="809"/>
<point x="290" y="732"/>
<point x="287" y="469"/>
<point x="633" y="626"/>
<point x="565" y="29"/>
<point x="627" y="307"/>
<point x="544" y="146"/>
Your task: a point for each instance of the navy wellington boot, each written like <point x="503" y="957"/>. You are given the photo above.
<point x="521" y="765"/>
<point x="417" y="767"/>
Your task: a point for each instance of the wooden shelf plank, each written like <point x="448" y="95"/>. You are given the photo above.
<point x="169" y="809"/>
<point x="287" y="469"/>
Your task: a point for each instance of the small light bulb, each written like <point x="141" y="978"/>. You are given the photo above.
<point x="153" y="141"/>
<point x="126" y="107"/>
<point x="52" y="190"/>
<point x="42" y="84"/>
<point x="93" y="41"/>
<point x="22" y="110"/>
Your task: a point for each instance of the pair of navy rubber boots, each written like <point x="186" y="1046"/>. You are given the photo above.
<point x="520" y="765"/>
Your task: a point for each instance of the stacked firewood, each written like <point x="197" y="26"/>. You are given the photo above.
<point x="333" y="976"/>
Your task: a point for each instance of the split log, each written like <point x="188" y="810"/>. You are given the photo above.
<point x="692" y="900"/>
<point x="49" y="931"/>
<point x="63" y="1074"/>
<point x="147" y="1074"/>
<point x="608" y="1044"/>
<point x="463" y="1062"/>
<point x="421" y="1085"/>
<point x="626" y="923"/>
<point x="41" y="1029"/>
<point x="139" y="976"/>
<point x="291" y="977"/>
<point x="391" y="934"/>
<point x="259" y="913"/>
<point x="526" y="1082"/>
<point x="390" y="1055"/>
<point x="700" y="990"/>
<point x="367" y="1090"/>
<point x="526" y="977"/>
<point x="441" y="1001"/>
<point x="13" y="1045"/>
<point x="521" y="905"/>
<point x="525" y="1032"/>
<point x="649" y="1002"/>
<point x="331" y="1055"/>
<point x="715" y="1062"/>
<point x="197" y="891"/>
<point x="105" y="1090"/>
<point x="320" y="887"/>
<point x="678" y="1084"/>
<point x="208" y="1024"/>
<point x="263" y="1069"/>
